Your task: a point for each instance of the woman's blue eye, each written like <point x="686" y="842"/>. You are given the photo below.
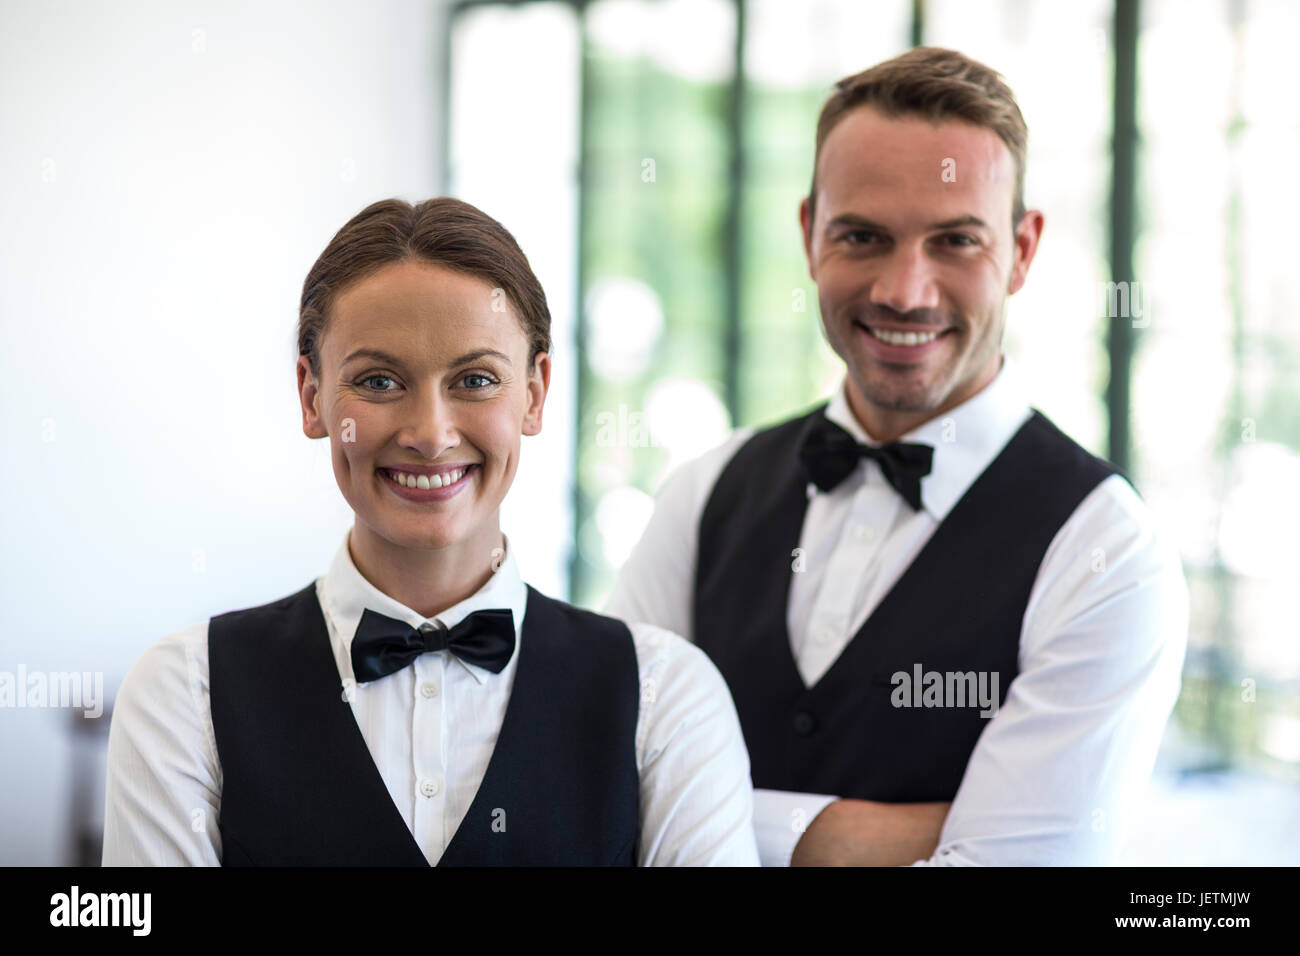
<point x="371" y="378"/>
<point x="482" y="378"/>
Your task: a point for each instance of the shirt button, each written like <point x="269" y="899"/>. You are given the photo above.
<point x="804" y="724"/>
<point x="825" y="635"/>
<point x="430" y="787"/>
<point x="429" y="689"/>
<point x="864" y="532"/>
<point x="427" y="628"/>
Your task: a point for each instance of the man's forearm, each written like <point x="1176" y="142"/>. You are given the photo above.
<point x="867" y="833"/>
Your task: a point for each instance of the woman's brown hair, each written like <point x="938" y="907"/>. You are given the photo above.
<point x="443" y="231"/>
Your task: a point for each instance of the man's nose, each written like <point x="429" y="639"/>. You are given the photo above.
<point x="906" y="281"/>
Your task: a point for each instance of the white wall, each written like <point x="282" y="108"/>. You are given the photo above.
<point x="168" y="173"/>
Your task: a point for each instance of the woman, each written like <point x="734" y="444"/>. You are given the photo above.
<point x="420" y="703"/>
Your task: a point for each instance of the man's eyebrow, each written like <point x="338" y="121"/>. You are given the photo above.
<point x="861" y="222"/>
<point x="382" y="356"/>
<point x="961" y="221"/>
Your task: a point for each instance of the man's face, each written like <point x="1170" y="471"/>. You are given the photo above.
<point x="913" y="244"/>
<point x="421" y="375"/>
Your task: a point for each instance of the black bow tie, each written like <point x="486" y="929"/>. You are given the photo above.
<point x="383" y="644"/>
<point x="829" y="453"/>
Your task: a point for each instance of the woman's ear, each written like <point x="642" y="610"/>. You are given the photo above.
<point x="308" y="395"/>
<point x="539" y="380"/>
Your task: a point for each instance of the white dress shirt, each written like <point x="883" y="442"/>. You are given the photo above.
<point x="1057" y="769"/>
<point x="431" y="729"/>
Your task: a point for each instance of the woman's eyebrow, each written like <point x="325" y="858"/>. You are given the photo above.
<point x="478" y="354"/>
<point x="382" y="356"/>
<point x="374" y="354"/>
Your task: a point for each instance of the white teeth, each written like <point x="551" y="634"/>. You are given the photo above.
<point x="890" y="337"/>
<point x="427" y="481"/>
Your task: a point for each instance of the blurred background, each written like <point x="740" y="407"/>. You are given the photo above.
<point x="170" y="170"/>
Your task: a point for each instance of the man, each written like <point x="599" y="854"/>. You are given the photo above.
<point x="952" y="634"/>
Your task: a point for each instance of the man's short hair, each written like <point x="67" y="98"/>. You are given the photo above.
<point x="937" y="84"/>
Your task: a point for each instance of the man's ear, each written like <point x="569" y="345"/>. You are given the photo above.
<point x="806" y="224"/>
<point x="313" y="426"/>
<point x="539" y="381"/>
<point x="1024" y="245"/>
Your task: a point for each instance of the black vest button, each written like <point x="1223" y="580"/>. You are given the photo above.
<point x="804" y="724"/>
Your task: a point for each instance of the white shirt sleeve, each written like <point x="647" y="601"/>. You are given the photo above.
<point x="163" y="791"/>
<point x="697" y="800"/>
<point x="656" y="583"/>
<point x="1061" y="764"/>
<point x="780" y="819"/>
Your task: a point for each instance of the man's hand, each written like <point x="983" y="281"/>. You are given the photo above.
<point x="867" y="833"/>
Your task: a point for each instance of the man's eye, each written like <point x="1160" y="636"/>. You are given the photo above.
<point x="371" y="378"/>
<point x="969" y="240"/>
<point x="856" y="236"/>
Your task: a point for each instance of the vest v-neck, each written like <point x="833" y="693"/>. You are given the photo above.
<point x="796" y="493"/>
<point x="359" y="754"/>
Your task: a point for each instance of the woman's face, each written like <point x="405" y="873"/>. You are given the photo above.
<point x="425" y="372"/>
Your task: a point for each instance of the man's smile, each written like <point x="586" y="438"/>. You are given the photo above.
<point x="901" y="344"/>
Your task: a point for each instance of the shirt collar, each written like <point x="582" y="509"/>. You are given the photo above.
<point x="965" y="439"/>
<point x="347" y="593"/>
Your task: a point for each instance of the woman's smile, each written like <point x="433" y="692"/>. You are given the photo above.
<point x="428" y="483"/>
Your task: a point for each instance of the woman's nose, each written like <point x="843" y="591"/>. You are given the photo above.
<point x="431" y="428"/>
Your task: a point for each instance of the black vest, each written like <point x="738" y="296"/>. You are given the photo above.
<point x="300" y="788"/>
<point x="957" y="608"/>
